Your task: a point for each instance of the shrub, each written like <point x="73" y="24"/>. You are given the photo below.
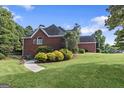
<point x="81" y="50"/>
<point x="44" y="49"/>
<point x="29" y="57"/>
<point x="17" y="52"/>
<point x="41" y="57"/>
<point x="86" y="50"/>
<point x="67" y="54"/>
<point x="51" y="56"/>
<point x="2" y="56"/>
<point x="6" y="49"/>
<point x="75" y="50"/>
<point x="59" y="55"/>
<point x="98" y="50"/>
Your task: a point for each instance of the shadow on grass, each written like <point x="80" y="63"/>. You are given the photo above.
<point x="74" y="76"/>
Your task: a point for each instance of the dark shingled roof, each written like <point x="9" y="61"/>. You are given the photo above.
<point x="54" y="30"/>
<point x="87" y="39"/>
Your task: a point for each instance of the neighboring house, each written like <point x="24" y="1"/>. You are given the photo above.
<point x="52" y="36"/>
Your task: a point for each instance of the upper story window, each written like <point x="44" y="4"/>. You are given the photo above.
<point x="39" y="41"/>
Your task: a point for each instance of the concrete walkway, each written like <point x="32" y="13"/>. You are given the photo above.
<point x="33" y="66"/>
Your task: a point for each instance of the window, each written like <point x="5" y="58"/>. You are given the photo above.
<point x="39" y="41"/>
<point x="34" y="41"/>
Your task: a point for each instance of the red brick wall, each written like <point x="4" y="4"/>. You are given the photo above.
<point x="30" y="48"/>
<point x="55" y="42"/>
<point x="91" y="47"/>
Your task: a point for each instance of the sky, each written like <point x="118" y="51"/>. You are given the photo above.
<point x="90" y="17"/>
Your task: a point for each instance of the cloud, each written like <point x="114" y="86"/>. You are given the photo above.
<point x="95" y="24"/>
<point x="100" y="20"/>
<point x="28" y="7"/>
<point x="17" y="17"/>
<point x="67" y="27"/>
<point x="91" y="29"/>
<point x="5" y="7"/>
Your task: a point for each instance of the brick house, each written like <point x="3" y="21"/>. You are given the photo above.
<point x="52" y="36"/>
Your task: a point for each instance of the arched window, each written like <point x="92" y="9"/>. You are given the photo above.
<point x="39" y="41"/>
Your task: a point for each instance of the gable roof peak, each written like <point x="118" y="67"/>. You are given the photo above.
<point x="53" y="25"/>
<point x="41" y="26"/>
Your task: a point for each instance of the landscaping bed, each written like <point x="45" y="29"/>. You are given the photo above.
<point x="53" y="56"/>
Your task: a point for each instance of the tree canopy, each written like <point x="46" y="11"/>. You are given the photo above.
<point x="100" y="38"/>
<point x="72" y="38"/>
<point x="116" y="19"/>
<point x="116" y="16"/>
<point x="10" y="33"/>
<point x="28" y="30"/>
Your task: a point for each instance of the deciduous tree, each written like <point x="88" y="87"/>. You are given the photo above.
<point x="72" y="38"/>
<point x="116" y="19"/>
<point x="10" y="32"/>
<point x="100" y="38"/>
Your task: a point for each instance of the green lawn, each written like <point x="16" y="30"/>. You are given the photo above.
<point x="87" y="70"/>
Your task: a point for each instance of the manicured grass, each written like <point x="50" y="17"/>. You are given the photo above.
<point x="87" y="70"/>
<point x="11" y="66"/>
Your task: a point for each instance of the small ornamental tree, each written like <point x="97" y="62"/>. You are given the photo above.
<point x="72" y="38"/>
<point x="100" y="39"/>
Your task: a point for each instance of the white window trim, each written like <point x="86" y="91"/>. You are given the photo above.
<point x="39" y="43"/>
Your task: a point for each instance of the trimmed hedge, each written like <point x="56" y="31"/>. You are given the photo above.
<point x="76" y="50"/>
<point x="51" y="57"/>
<point x="81" y="50"/>
<point x="44" y="49"/>
<point x="59" y="55"/>
<point x="67" y="54"/>
<point x="63" y="54"/>
<point x="41" y="57"/>
<point x="2" y="56"/>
